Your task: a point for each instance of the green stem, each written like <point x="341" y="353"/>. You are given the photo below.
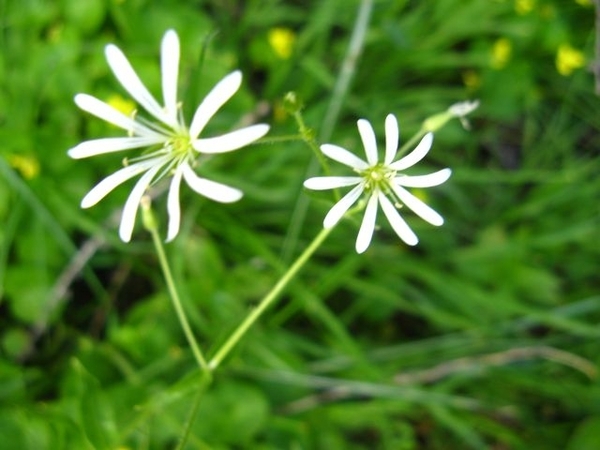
<point x="150" y="224"/>
<point x="308" y="136"/>
<point x="204" y="382"/>
<point x="267" y="300"/>
<point x="410" y="144"/>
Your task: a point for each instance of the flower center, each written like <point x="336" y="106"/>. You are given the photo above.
<point x="179" y="146"/>
<point x="377" y="178"/>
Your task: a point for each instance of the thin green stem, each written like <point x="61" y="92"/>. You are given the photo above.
<point x="308" y="136"/>
<point x="204" y="382"/>
<point x="239" y="332"/>
<point x="150" y="224"/>
<point x="409" y="145"/>
<point x="340" y="91"/>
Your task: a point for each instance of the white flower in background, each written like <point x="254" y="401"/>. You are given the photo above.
<point x="173" y="146"/>
<point x="383" y="183"/>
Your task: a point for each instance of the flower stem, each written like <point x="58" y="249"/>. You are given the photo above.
<point x="409" y="145"/>
<point x="151" y="226"/>
<point x="239" y="332"/>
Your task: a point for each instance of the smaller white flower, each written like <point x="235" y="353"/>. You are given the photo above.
<point x="384" y="183"/>
<point x="175" y="147"/>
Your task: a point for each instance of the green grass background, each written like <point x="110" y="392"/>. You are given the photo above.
<point x="483" y="336"/>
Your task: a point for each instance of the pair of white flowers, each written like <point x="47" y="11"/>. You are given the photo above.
<point x="175" y="149"/>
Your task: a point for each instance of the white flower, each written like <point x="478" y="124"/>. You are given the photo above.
<point x="382" y="182"/>
<point x="175" y="147"/>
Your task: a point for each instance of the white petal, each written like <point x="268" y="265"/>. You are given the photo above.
<point x="169" y="55"/>
<point x="391" y="138"/>
<point x="173" y="207"/>
<point x="131" y="82"/>
<point x="368" y="139"/>
<point x="133" y="202"/>
<point x="216" y="98"/>
<point x="424" y="181"/>
<point x="324" y="183"/>
<point x="105" y="186"/>
<point x="461" y="109"/>
<point x="365" y="234"/>
<point x="109" y="145"/>
<point x="339" y="209"/>
<point x="416" y="155"/>
<point x="211" y="189"/>
<point x="419" y="208"/>
<point x="231" y="141"/>
<point x="343" y="156"/>
<point x="106" y="112"/>
<point x="397" y="222"/>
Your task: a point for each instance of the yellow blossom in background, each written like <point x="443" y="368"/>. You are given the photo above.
<point x="523" y="7"/>
<point x="501" y="52"/>
<point x="584" y="2"/>
<point x="471" y="79"/>
<point x="27" y="165"/>
<point x="282" y="41"/>
<point x="121" y="104"/>
<point x="279" y="112"/>
<point x="568" y="59"/>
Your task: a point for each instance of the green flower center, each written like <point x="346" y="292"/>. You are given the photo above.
<point x="378" y="178"/>
<point x="180" y="147"/>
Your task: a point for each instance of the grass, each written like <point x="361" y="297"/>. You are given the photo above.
<point x="485" y="335"/>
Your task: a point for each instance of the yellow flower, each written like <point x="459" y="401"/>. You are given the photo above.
<point x="568" y="59"/>
<point x="523" y="7"/>
<point x="121" y="104"/>
<point x="501" y="52"/>
<point x="28" y="166"/>
<point x="282" y="41"/>
<point x="584" y="2"/>
<point x="471" y="79"/>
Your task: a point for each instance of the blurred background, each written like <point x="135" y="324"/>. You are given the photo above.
<point x="485" y="335"/>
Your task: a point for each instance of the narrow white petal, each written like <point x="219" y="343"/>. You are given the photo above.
<point x="339" y="209"/>
<point x="105" y="186"/>
<point x="131" y="82"/>
<point x="216" y="98"/>
<point x="173" y="208"/>
<point x="210" y="189"/>
<point x="324" y="183"/>
<point x="367" y="227"/>
<point x="392" y="135"/>
<point x="109" y="145"/>
<point x="416" y="155"/>
<point x="169" y="55"/>
<point x="368" y="139"/>
<point x="397" y="222"/>
<point x="424" y="181"/>
<point x="231" y="141"/>
<point x="343" y="156"/>
<point x="133" y="202"/>
<point x="106" y="112"/>
<point x="417" y="206"/>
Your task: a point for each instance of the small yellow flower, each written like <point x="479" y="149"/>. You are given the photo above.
<point x="282" y="41"/>
<point x="121" y="104"/>
<point x="523" y="7"/>
<point x="501" y="52"/>
<point x="568" y="59"/>
<point x="471" y="79"/>
<point x="28" y="166"/>
<point x="279" y="112"/>
<point x="584" y="2"/>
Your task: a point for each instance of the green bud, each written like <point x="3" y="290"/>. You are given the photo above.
<point x="291" y="103"/>
<point x="148" y="217"/>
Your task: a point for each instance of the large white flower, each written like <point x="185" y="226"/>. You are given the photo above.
<point x="383" y="183"/>
<point x="175" y="147"/>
